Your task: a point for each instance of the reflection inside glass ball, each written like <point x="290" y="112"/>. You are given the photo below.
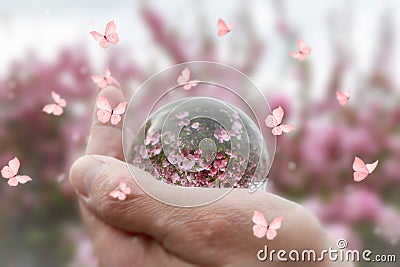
<point x="201" y="142"/>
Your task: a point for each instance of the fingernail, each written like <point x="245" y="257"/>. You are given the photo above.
<point x="83" y="172"/>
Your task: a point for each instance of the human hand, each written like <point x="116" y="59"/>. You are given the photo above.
<point x="141" y="231"/>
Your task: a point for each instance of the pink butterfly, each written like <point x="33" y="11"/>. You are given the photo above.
<point x="57" y="107"/>
<point x="103" y="80"/>
<point x="110" y="35"/>
<point x="10" y="172"/>
<point x="362" y="170"/>
<point x="343" y="97"/>
<point x="262" y="228"/>
<point x="184" y="78"/>
<point x="223" y="27"/>
<point x="121" y="191"/>
<point x="303" y="50"/>
<point x="106" y="113"/>
<point x="274" y="121"/>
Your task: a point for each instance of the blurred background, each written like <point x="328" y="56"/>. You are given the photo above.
<point x="46" y="46"/>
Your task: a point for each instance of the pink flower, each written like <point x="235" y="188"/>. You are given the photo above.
<point x="388" y="223"/>
<point x="237" y="127"/>
<point x="222" y="135"/>
<point x="182" y="115"/>
<point x="188" y="162"/>
<point x="358" y="205"/>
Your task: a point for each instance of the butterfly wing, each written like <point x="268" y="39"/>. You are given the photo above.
<point x="286" y="128"/>
<point x="276" y="130"/>
<point x="97" y="78"/>
<point x="12" y="181"/>
<point x="103" y="116"/>
<point x="12" y="169"/>
<point x="111" y="32"/>
<point x="359" y="166"/>
<point x="117" y="194"/>
<point x="121" y="196"/>
<point x="115" y="119"/>
<point x="124" y="188"/>
<point x="114" y="194"/>
<point x="259" y="231"/>
<point x="107" y="72"/>
<point x="58" y="110"/>
<point x="62" y="103"/>
<point x="187" y="86"/>
<point x="184" y="77"/>
<point x="259" y="218"/>
<point x="103" y="104"/>
<point x="271" y="234"/>
<point x="97" y="36"/>
<point x="360" y="170"/>
<point x="107" y="76"/>
<point x="120" y="109"/>
<point x="110" y="28"/>
<point x="22" y="179"/>
<point x="295" y="55"/>
<point x="270" y="121"/>
<point x="359" y="176"/>
<point x="14" y="165"/>
<point x="49" y="108"/>
<point x="261" y="225"/>
<point x="7" y="172"/>
<point x="222" y="28"/>
<point x="56" y="97"/>
<point x="276" y="223"/>
<point x="371" y="167"/>
<point x="278" y="114"/>
<point x="103" y="43"/>
<point x="100" y="81"/>
<point x="342" y="98"/>
<point x="105" y="110"/>
<point x="303" y="48"/>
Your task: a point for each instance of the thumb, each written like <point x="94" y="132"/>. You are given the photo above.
<point x="95" y="176"/>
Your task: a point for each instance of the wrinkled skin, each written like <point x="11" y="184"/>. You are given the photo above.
<point x="141" y="231"/>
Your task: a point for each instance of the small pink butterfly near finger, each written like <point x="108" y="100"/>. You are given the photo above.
<point x="343" y="98"/>
<point x="110" y="36"/>
<point x="121" y="191"/>
<point x="274" y="121"/>
<point x="107" y="113"/>
<point x="262" y="228"/>
<point x="103" y="81"/>
<point x="303" y="51"/>
<point x="57" y="107"/>
<point x="184" y="78"/>
<point x="223" y="28"/>
<point x="10" y="172"/>
<point x="362" y="170"/>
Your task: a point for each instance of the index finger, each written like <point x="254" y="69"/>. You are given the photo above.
<point x="105" y="138"/>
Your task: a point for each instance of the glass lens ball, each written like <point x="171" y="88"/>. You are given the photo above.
<point x="201" y="142"/>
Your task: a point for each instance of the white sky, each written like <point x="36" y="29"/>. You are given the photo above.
<point x="44" y="26"/>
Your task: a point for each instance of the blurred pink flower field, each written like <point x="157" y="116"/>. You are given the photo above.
<point x="39" y="221"/>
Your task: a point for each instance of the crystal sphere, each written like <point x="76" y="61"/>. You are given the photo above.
<point x="201" y="142"/>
